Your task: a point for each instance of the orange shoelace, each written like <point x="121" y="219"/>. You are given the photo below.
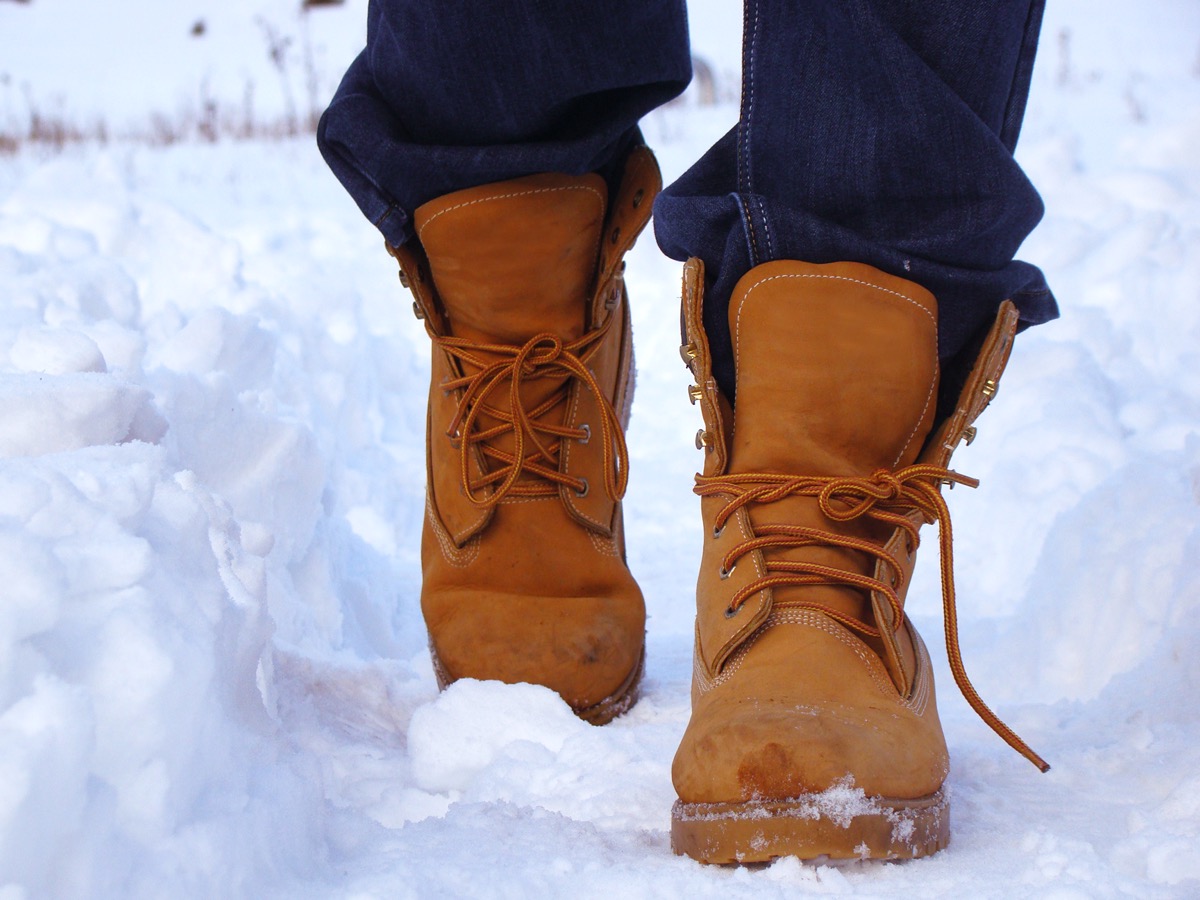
<point x="885" y="496"/>
<point x="536" y="443"/>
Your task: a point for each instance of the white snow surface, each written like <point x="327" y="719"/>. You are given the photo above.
<point x="213" y="676"/>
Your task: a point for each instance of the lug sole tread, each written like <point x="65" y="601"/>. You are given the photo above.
<point x="810" y="828"/>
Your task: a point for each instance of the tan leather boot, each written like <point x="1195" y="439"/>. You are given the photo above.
<point x="814" y="730"/>
<point x="520" y="287"/>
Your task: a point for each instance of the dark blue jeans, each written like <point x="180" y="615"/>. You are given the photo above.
<point x="877" y="131"/>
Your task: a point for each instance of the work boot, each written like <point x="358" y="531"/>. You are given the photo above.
<point x="520" y="287"/>
<point x="814" y="730"/>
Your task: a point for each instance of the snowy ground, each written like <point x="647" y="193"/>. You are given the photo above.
<point x="213" y="679"/>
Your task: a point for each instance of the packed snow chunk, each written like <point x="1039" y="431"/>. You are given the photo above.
<point x="50" y="414"/>
<point x="215" y="340"/>
<point x="55" y="351"/>
<point x="471" y="723"/>
<point x="790" y="872"/>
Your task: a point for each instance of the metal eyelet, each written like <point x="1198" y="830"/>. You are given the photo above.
<point x="587" y="433"/>
<point x="725" y="573"/>
<point x="616" y="235"/>
<point x="583" y="492"/>
<point x="730" y="612"/>
<point x="637" y="198"/>
<point x="717" y="532"/>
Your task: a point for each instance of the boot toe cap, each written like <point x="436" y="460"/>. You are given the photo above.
<point x="773" y="751"/>
<point x="584" y="648"/>
<point x="775" y="730"/>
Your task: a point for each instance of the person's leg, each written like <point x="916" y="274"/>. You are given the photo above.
<point x="879" y="131"/>
<point x="454" y="94"/>
<point x="495" y="145"/>
<point x="859" y="226"/>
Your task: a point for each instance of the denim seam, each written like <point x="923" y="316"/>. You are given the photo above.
<point x="766" y="228"/>
<point x="378" y="223"/>
<point x="745" y="125"/>
<point x="748" y="229"/>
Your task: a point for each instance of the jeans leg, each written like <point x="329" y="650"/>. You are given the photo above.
<point x="875" y="131"/>
<point x="456" y="93"/>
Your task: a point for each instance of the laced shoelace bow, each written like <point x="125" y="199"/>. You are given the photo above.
<point x="884" y="496"/>
<point x="536" y="443"/>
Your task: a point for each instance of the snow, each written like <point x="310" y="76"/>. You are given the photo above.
<point x="213" y="675"/>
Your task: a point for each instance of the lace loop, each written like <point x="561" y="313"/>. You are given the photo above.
<point x="531" y="468"/>
<point x="884" y="496"/>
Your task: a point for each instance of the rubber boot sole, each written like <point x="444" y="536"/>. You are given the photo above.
<point x="617" y="703"/>
<point x="810" y="828"/>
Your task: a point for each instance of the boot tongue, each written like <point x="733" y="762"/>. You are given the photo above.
<point x="836" y="370"/>
<point x="836" y="376"/>
<point x="515" y="259"/>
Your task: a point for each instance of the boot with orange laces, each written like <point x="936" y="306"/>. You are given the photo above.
<point x="520" y="287"/>
<point x="814" y="730"/>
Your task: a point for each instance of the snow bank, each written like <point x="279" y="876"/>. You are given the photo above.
<point x="213" y="679"/>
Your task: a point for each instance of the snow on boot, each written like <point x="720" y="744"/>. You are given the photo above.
<point x="520" y="287"/>
<point x="814" y="730"/>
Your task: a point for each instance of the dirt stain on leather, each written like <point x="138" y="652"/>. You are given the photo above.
<point x="770" y="770"/>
